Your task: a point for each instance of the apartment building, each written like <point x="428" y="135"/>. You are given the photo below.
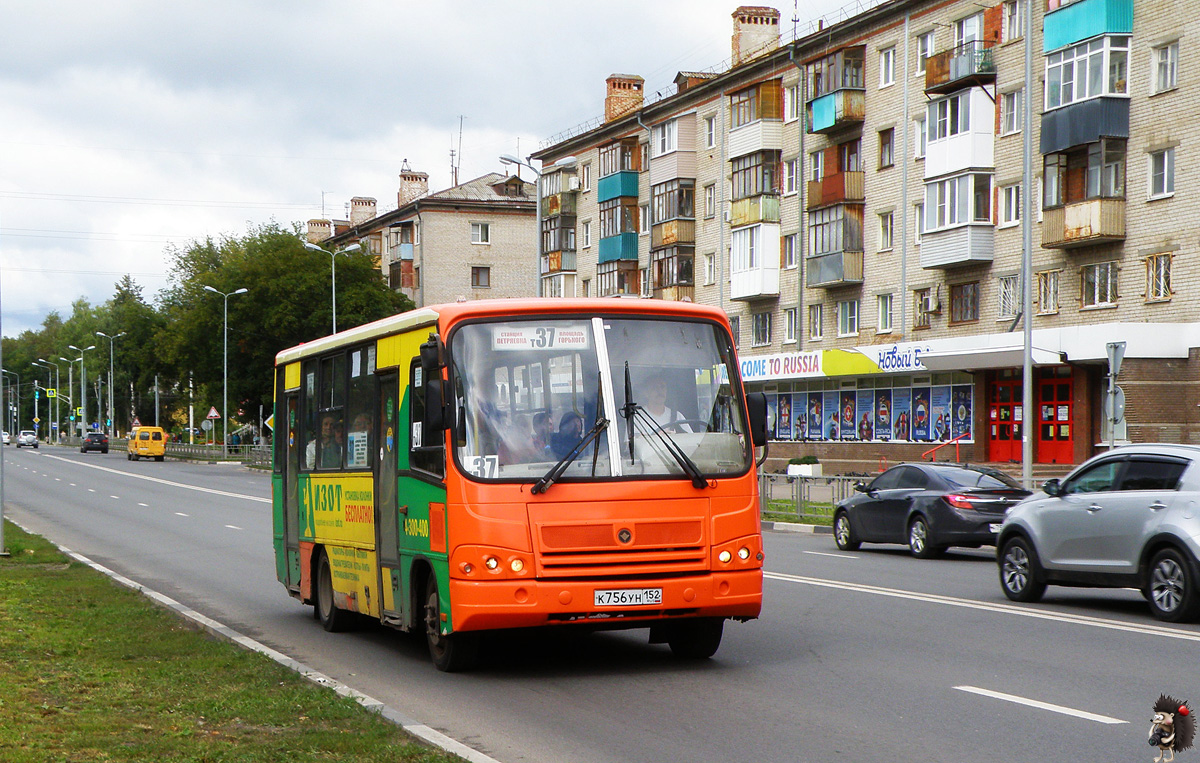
<point x="854" y="198"/>
<point x="470" y="241"/>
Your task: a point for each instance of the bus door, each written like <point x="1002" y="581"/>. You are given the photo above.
<point x="291" y="492"/>
<point x="387" y="530"/>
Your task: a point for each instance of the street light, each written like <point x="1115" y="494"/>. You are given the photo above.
<point x="37" y="425"/>
<point x="225" y="368"/>
<point x="57" y="391"/>
<point x="71" y="380"/>
<point x="82" y="384"/>
<point x="112" y="420"/>
<point x="13" y="420"/>
<point x="333" y="270"/>
<point x="566" y="161"/>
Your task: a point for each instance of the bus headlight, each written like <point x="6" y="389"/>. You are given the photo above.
<point x="491" y="562"/>
<point x="725" y="556"/>
<point x="743" y="553"/>
<point x="516" y="565"/>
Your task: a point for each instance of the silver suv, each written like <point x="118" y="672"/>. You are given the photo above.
<point x="1126" y="518"/>
<point x="27" y="439"/>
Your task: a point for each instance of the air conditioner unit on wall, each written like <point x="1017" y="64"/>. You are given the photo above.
<point x="932" y="304"/>
<point x="573" y="183"/>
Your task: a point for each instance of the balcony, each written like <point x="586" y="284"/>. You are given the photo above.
<point x="558" y="262"/>
<point x="671" y="232"/>
<point x="759" y="135"/>
<point x="756" y="209"/>
<point x="1084" y="122"/>
<point x="402" y="252"/>
<point x="969" y="64"/>
<point x="623" y="246"/>
<point x="1095" y="221"/>
<point x="956" y="247"/>
<point x="837" y="188"/>
<point x="616" y="185"/>
<point x="1066" y="24"/>
<point x="755" y="283"/>
<point x="675" y="293"/>
<point x="560" y="204"/>
<point x="836" y="111"/>
<point x="829" y="271"/>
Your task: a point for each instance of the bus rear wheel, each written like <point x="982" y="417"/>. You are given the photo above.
<point x="331" y="618"/>
<point x="696" y="639"/>
<point x="450" y="652"/>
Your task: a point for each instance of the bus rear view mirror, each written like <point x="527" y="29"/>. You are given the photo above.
<point x="431" y="356"/>
<point x="756" y="407"/>
<point x="435" y="406"/>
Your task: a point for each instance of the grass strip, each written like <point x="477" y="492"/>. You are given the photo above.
<point x="91" y="671"/>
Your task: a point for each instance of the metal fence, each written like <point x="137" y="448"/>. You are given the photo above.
<point x="249" y="455"/>
<point x="785" y="497"/>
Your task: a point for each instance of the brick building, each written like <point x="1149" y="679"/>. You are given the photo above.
<point x="472" y="241"/>
<point x="853" y="197"/>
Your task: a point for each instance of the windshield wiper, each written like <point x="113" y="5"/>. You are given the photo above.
<point x="648" y="424"/>
<point x="556" y="471"/>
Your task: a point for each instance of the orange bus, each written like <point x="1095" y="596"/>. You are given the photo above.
<point x="498" y="464"/>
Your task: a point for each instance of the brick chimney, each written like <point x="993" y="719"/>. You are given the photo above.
<point x="413" y="185"/>
<point x="362" y="208"/>
<point x="318" y="231"/>
<point x="755" y="31"/>
<point x="625" y="93"/>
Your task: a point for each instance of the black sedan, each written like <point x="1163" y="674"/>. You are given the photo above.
<point x="94" y="441"/>
<point x="929" y="506"/>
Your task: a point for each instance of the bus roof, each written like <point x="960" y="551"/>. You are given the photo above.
<point x="481" y="308"/>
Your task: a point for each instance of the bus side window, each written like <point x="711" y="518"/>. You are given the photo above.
<point x="427" y="451"/>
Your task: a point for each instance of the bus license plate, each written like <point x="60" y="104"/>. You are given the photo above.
<point x="628" y="597"/>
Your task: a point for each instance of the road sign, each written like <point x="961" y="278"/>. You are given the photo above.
<point x="1114" y="405"/>
<point x="1116" y="353"/>
<point x="79" y="412"/>
<point x="212" y="413"/>
<point x="37" y="420"/>
<point x="136" y="422"/>
<point x="270" y="422"/>
<point x="206" y="425"/>
<point x="50" y="392"/>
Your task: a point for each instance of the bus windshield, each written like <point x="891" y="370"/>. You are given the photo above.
<point x="528" y="391"/>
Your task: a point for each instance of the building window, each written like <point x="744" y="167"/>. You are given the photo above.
<point x="586" y="176"/>
<point x="924" y="50"/>
<point x="618" y="277"/>
<point x="710" y="200"/>
<point x="587" y="287"/>
<point x="762" y="101"/>
<point x="1098" y="284"/>
<point x="964" y="302"/>
<point x="1101" y="164"/>
<point x="664" y="137"/>
<point x="619" y="156"/>
<point x="919" y="223"/>
<point x="672" y="266"/>
<point x="816" y="162"/>
<point x="790" y="169"/>
<point x="735" y="328"/>
<point x="587" y="234"/>
<point x="1047" y="292"/>
<point x="883" y="303"/>
<point x="887" y="66"/>
<point x="743" y="249"/>
<point x="789" y="250"/>
<point x="1165" y="60"/>
<point x="957" y="201"/>
<point x="792" y="104"/>
<point x="1012" y="20"/>
<point x="921" y="142"/>
<point x="762" y="329"/>
<point x="644" y="219"/>
<point x="1162" y="173"/>
<point x="887" y="147"/>
<point x="1010" y="112"/>
<point x="481" y="233"/>
<point x="949" y="117"/>
<point x="618" y="216"/>
<point x="968" y="29"/>
<point x="850" y="156"/>
<point x="815" y="322"/>
<point x="1088" y="70"/>
<point x="921" y="305"/>
<point x="886" y="228"/>
<point x="847" y="317"/>
<point x="710" y="132"/>
<point x="1010" y="205"/>
<point x="789" y="325"/>
<point x="755" y="174"/>
<point x="835" y="229"/>
<point x="838" y="71"/>
<point x="1010" y="298"/>
<point x="710" y="269"/>
<point x="1158" y="277"/>
<point x="481" y="278"/>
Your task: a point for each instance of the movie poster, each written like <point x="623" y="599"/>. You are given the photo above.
<point x="960" y="409"/>
<point x="883" y="414"/>
<point x="783" y="426"/>
<point x="846" y="418"/>
<point x="816" y="418"/>
<point x="902" y="414"/>
<point x="865" y="400"/>
<point x="939" y="413"/>
<point x="772" y="406"/>
<point x="920" y="414"/>
<point x="799" y="416"/>
<point x="830" y="401"/>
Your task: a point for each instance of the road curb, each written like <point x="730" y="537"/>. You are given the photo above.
<point x="418" y="730"/>
<point x="796" y="527"/>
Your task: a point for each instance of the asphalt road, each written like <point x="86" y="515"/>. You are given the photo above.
<point x="858" y="656"/>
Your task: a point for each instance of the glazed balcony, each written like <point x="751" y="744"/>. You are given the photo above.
<point x="623" y="246"/>
<point x="839" y="110"/>
<point x="969" y="244"/>
<point x="756" y="209"/>
<point x="1067" y="23"/>
<point x="671" y="232"/>
<point x="559" y="262"/>
<point x="836" y="188"/>
<point x="560" y="204"/>
<point x="624" y="183"/>
<point x="1094" y="221"/>
<point x="829" y="271"/>
<point x="966" y="65"/>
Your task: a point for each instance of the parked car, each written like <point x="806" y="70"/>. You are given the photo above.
<point x="94" y="441"/>
<point x="27" y="438"/>
<point x="1125" y="518"/>
<point x="929" y="506"/>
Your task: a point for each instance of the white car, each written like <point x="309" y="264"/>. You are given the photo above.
<point x="6" y="438"/>
<point x="27" y="438"/>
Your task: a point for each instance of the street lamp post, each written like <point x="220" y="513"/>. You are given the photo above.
<point x="57" y="391"/>
<point x="566" y="161"/>
<point x="112" y="419"/>
<point x="71" y="381"/>
<point x="13" y="420"/>
<point x="82" y="385"/>
<point x="37" y="425"/>
<point x="225" y="368"/>
<point x="332" y="271"/>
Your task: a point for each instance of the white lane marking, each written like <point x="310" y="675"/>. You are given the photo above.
<point x="90" y="490"/>
<point x="58" y="479"/>
<point x="115" y="496"/>
<point x="181" y="514"/>
<point x="162" y="481"/>
<point x="1041" y="705"/>
<point x="1005" y="609"/>
<point x="144" y="504"/>
<point x="835" y="556"/>
<point x="233" y="527"/>
<point x="72" y="484"/>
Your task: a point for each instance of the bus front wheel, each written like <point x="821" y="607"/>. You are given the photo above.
<point x="331" y="618"/>
<point x="450" y="652"/>
<point x="696" y="639"/>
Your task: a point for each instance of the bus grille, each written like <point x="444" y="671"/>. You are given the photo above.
<point x="611" y="549"/>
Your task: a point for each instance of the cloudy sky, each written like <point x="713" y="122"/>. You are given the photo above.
<point x="130" y="126"/>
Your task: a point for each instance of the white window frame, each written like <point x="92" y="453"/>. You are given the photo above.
<point x="921" y="317"/>
<point x="921" y="144"/>
<point x="790" y="242"/>
<point x="1098" y="285"/>
<point x="1162" y="164"/>
<point x="919" y="227"/>
<point x="792" y="105"/>
<point x="791" y="169"/>
<point x="1164" y="67"/>
<point x="665" y="139"/>
<point x="1158" y="277"/>
<point x="949" y="117"/>
<point x="884" y="307"/>
<point x="586" y="233"/>
<point x="644" y="219"/>
<point x="789" y="325"/>
<point x="887" y="67"/>
<point x="710" y="200"/>
<point x="847" y="318"/>
<point x="760" y="331"/>
<point x="1011" y="104"/>
<point x="481" y="233"/>
<point x="1078" y="61"/>
<point x="710" y="269"/>
<point x="1048" y="291"/>
<point x="924" y="49"/>
<point x="744" y="250"/>
<point x="887" y="231"/>
<point x="710" y="131"/>
<point x="1010" y="205"/>
<point x="1008" y="297"/>
<point x="816" y="165"/>
<point x="585" y="176"/>
<point x="1013" y="20"/>
<point x="816" y="322"/>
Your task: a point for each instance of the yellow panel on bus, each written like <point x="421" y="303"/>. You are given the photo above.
<point x="338" y="509"/>
<point x="291" y="376"/>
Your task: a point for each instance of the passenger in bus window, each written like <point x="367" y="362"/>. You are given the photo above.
<point x="570" y="432"/>
<point x="543" y="431"/>
<point x="331" y="454"/>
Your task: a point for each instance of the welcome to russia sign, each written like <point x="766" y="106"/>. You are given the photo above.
<point x="889" y="358"/>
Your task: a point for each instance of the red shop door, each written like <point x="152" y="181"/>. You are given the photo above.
<point x="1056" y="417"/>
<point x="1004" y="418"/>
